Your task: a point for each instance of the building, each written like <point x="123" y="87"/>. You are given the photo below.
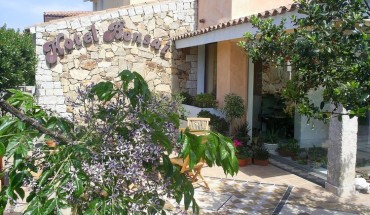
<point x="176" y="45"/>
<point x="48" y="16"/>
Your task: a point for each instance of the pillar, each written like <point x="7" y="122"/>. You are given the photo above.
<point x="342" y="155"/>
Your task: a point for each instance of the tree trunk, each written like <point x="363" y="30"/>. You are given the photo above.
<point x="5" y="106"/>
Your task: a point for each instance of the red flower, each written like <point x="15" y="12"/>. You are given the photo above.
<point x="237" y="143"/>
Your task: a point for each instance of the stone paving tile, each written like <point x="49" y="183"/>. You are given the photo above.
<point x="228" y="196"/>
<point x="289" y="209"/>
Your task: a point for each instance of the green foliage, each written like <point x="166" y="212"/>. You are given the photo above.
<point x="234" y="107"/>
<point x="18" y="139"/>
<point x="241" y="133"/>
<point x="17" y="58"/>
<point x="261" y="153"/>
<point x="293" y="146"/>
<point x="242" y="149"/>
<point x="205" y="100"/>
<point x="91" y="174"/>
<point x="329" y="48"/>
<point x="188" y="99"/>
<point x="216" y="123"/>
<point x="272" y="135"/>
<point x="213" y="147"/>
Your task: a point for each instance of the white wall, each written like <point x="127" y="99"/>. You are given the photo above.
<point x="314" y="133"/>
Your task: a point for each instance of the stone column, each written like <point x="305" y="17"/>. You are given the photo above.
<point x="342" y="155"/>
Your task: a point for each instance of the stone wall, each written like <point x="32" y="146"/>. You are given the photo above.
<point x="274" y="78"/>
<point x="96" y="60"/>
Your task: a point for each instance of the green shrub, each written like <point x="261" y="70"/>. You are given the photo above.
<point x="234" y="107"/>
<point x="205" y="100"/>
<point x="188" y="99"/>
<point x="293" y="146"/>
<point x="261" y="153"/>
<point x="272" y="136"/>
<point x="241" y="133"/>
<point x="217" y="123"/>
<point x="17" y="58"/>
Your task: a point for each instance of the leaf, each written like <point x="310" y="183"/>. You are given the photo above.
<point x="4" y="126"/>
<point x="104" y="90"/>
<point x="79" y="188"/>
<point x="162" y="139"/>
<point x="17" y="180"/>
<point x="50" y="205"/>
<point x="192" y="159"/>
<point x="30" y="196"/>
<point x="45" y="175"/>
<point x="2" y="149"/>
<point x="322" y="104"/>
<point x="46" y="191"/>
<point x="223" y="152"/>
<point x="20" y="192"/>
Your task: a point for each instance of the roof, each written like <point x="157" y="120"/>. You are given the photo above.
<point x="48" y="16"/>
<point x="65" y="13"/>
<point x="242" y="20"/>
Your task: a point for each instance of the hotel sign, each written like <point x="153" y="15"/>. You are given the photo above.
<point x="115" y="31"/>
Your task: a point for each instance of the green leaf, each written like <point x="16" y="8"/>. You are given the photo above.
<point x="50" y="205"/>
<point x="193" y="159"/>
<point x="17" y="180"/>
<point x="104" y="90"/>
<point x="223" y="152"/>
<point x="162" y="139"/>
<point x="34" y="207"/>
<point x="20" y="192"/>
<point x="79" y="187"/>
<point x="44" y="177"/>
<point x="6" y="125"/>
<point x="2" y="149"/>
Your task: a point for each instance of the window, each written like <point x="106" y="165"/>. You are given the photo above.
<point x="210" y="80"/>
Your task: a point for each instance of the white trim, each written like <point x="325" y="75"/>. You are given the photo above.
<point x="229" y="33"/>
<point x="250" y="95"/>
<point x="201" y="69"/>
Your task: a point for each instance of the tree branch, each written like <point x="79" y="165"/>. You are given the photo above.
<point x="17" y="113"/>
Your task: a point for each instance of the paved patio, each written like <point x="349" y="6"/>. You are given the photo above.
<point x="271" y="190"/>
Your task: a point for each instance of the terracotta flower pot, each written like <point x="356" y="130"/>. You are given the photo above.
<point x="284" y="153"/>
<point x="245" y="161"/>
<point x="261" y="162"/>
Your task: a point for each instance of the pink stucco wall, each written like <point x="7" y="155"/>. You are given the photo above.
<point x="216" y="11"/>
<point x="213" y="12"/>
<point x="231" y="71"/>
<point x="242" y="8"/>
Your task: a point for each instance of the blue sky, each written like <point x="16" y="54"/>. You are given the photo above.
<point x="23" y="13"/>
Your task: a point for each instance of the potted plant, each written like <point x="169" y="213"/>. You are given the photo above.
<point x="203" y="101"/>
<point x="243" y="153"/>
<point x="293" y="148"/>
<point x="283" y="150"/>
<point x="261" y="156"/>
<point x="271" y="139"/>
<point x="233" y="108"/>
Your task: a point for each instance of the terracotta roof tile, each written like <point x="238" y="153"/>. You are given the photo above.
<point x="65" y="13"/>
<point x="267" y="13"/>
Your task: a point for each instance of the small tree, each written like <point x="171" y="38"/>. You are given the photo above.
<point x="17" y="58"/>
<point x="233" y="109"/>
<point x="329" y="48"/>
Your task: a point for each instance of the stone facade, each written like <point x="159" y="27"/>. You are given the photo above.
<point x="172" y="71"/>
<point x="274" y="78"/>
